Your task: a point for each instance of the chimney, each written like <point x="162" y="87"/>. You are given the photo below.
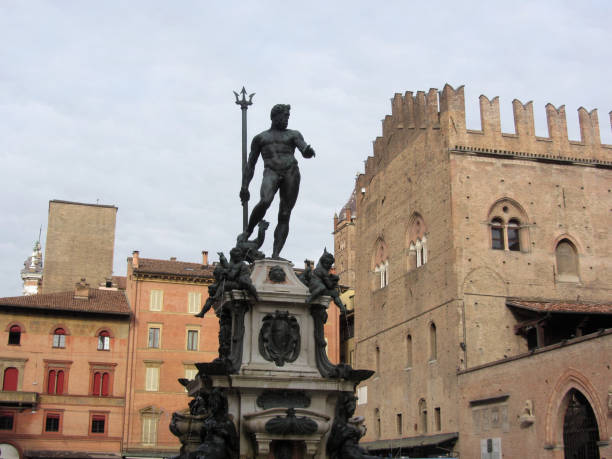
<point x="205" y="257"/>
<point x="135" y="255"/>
<point x="81" y="289"/>
<point x="172" y="258"/>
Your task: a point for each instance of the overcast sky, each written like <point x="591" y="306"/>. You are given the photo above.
<point x="130" y="103"/>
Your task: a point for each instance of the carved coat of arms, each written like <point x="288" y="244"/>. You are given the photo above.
<point x="279" y="338"/>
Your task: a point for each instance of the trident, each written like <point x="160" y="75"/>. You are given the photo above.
<point x="244" y="105"/>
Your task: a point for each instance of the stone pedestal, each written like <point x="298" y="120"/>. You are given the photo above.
<point x="277" y="377"/>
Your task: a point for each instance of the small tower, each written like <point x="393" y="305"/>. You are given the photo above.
<point x="31" y="274"/>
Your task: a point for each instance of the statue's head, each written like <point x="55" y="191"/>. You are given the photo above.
<point x="327" y="259"/>
<point x="217" y="402"/>
<point x="236" y="254"/>
<point x="280" y="115"/>
<point x="347" y="402"/>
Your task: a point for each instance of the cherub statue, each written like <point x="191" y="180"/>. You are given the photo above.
<point x="238" y="273"/>
<point x="322" y="282"/>
<point x="343" y="442"/>
<point x="251" y="248"/>
<point x="234" y="274"/>
<point x="215" y="290"/>
<point x="220" y="438"/>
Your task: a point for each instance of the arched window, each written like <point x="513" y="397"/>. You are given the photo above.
<point x="380" y="263"/>
<point x="433" y="345"/>
<point x="14" y="335"/>
<point x="409" y="351"/>
<point x="566" y="257"/>
<point x="417" y="241"/>
<point x="514" y="242"/>
<point x="507" y="225"/>
<point x="104" y="341"/>
<point x="423" y="416"/>
<point x="55" y="382"/>
<point x="497" y="234"/>
<point x="59" y="337"/>
<point x="11" y="379"/>
<point x="580" y="431"/>
<point x="101" y="384"/>
<point x="377" y="361"/>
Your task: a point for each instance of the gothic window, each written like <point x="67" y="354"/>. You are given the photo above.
<point x="381" y="264"/>
<point x="377" y="361"/>
<point x="580" y="431"/>
<point x="14" y="335"/>
<point x="566" y="257"/>
<point x="497" y="234"/>
<point x="417" y="242"/>
<point x="383" y="271"/>
<point x="59" y="338"/>
<point x="507" y="226"/>
<point x="514" y="242"/>
<point x="104" y="341"/>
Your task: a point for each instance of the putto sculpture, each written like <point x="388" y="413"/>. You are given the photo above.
<point x="346" y="431"/>
<point x="321" y="281"/>
<point x="281" y="173"/>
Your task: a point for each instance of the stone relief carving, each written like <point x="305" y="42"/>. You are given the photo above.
<point x="279" y="338"/>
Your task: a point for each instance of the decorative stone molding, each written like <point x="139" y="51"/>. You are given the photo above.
<point x="255" y="424"/>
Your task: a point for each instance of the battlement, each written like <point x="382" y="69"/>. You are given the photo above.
<point x="444" y="112"/>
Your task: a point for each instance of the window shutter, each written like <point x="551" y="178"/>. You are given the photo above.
<point x="59" y="388"/>
<point x="105" y="384"/>
<point x="97" y="383"/>
<point x="51" y="382"/>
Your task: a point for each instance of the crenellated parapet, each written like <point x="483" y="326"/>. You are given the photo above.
<point x="443" y="113"/>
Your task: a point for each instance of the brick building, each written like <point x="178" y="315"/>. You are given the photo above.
<point x="166" y="341"/>
<point x="63" y="361"/>
<point x="482" y="267"/>
<point x="80" y="243"/>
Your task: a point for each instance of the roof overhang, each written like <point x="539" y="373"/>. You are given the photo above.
<point x="411" y="442"/>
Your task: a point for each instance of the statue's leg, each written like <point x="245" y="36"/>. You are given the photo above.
<point x="269" y="186"/>
<point x="289" y="188"/>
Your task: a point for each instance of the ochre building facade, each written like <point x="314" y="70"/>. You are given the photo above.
<point x="482" y="267"/>
<point x="63" y="368"/>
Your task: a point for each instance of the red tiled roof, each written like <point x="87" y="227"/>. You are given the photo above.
<point x="562" y="306"/>
<point x="99" y="301"/>
<point x="172" y="267"/>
